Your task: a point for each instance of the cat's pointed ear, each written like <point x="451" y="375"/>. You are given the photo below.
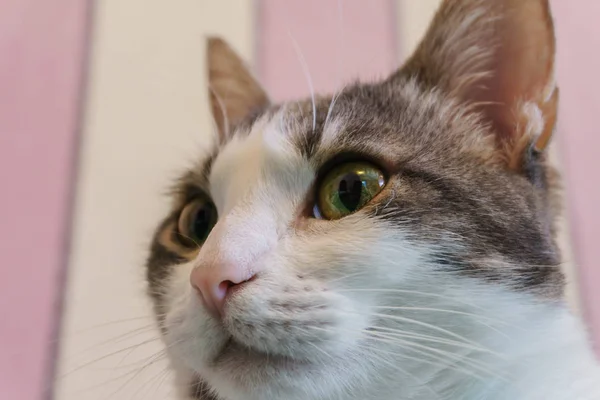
<point x="234" y="93"/>
<point x="499" y="56"/>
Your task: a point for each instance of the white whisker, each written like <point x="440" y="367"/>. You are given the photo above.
<point x="408" y="291"/>
<point x="309" y="81"/>
<point x="456" y="357"/>
<point x="105" y="356"/>
<point x="404" y="371"/>
<point x="433" y="339"/>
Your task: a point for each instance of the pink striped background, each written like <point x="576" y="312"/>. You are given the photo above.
<point x="578" y="35"/>
<point x="339" y="41"/>
<point x="41" y="59"/>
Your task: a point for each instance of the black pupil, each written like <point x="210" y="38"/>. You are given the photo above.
<point x="203" y="222"/>
<point x="350" y="190"/>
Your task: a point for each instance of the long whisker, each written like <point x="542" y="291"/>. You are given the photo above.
<point x="427" y="351"/>
<point x="308" y="77"/>
<point x="158" y="357"/>
<point x="438" y="362"/>
<point x="109" y="323"/>
<point x="144" y="360"/>
<point x="428" y="338"/>
<point x="159" y="379"/>
<point x="408" y="291"/>
<point x="404" y="371"/>
<point x="360" y="273"/>
<point x="471" y="362"/>
<point x="450" y="360"/>
<point x="105" y="382"/>
<point x="79" y="367"/>
<point x="154" y="358"/>
<point x="420" y="323"/>
<point x="340" y="62"/>
<point x="119" y="338"/>
<point x="477" y="318"/>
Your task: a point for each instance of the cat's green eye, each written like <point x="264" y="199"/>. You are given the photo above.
<point x="197" y="220"/>
<point x="347" y="188"/>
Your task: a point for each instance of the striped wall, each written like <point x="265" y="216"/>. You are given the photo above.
<point x="42" y="53"/>
<point x="146" y="116"/>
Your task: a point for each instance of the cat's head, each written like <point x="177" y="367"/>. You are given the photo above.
<point x="306" y="253"/>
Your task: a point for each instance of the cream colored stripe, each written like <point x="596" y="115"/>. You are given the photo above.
<point x="147" y="118"/>
<point x="413" y="19"/>
<point x="564" y="235"/>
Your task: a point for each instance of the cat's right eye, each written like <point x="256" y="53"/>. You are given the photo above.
<point x="347" y="188"/>
<point x="197" y="220"/>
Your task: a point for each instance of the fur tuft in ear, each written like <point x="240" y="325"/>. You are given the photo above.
<point x="234" y="93"/>
<point x="498" y="56"/>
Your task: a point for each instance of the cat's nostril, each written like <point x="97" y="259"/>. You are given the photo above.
<point x="226" y="285"/>
<point x="215" y="285"/>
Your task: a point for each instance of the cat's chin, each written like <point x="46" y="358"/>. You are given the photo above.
<point x="233" y="369"/>
<point x="240" y="372"/>
<point x="234" y="356"/>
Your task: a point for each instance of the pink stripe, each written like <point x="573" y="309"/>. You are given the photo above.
<point x="340" y="41"/>
<point x="578" y="34"/>
<point x="41" y="53"/>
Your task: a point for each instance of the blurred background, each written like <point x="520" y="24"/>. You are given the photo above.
<point x="103" y="103"/>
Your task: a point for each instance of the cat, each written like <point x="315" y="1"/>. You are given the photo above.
<point x="395" y="240"/>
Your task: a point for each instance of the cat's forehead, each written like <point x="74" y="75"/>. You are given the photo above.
<point x="309" y="130"/>
<point x="294" y="139"/>
<point x="274" y="152"/>
<point x="391" y="125"/>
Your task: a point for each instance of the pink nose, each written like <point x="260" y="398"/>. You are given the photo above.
<point x="214" y="285"/>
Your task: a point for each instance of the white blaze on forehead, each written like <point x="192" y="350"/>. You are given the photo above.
<point x="263" y="170"/>
<point x="257" y="182"/>
<point x="236" y="170"/>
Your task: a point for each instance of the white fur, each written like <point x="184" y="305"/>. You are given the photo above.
<point x="322" y="285"/>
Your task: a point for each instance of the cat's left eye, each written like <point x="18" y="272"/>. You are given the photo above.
<point x="347" y="188"/>
<point x="197" y="220"/>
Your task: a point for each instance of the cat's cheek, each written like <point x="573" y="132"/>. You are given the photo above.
<point x="353" y="320"/>
<point x="192" y="336"/>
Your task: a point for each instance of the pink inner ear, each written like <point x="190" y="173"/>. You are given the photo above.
<point x="522" y="70"/>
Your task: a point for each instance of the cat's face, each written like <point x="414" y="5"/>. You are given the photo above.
<point x="307" y="252"/>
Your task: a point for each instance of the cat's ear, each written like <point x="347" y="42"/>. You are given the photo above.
<point x="234" y="93"/>
<point x="499" y="56"/>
